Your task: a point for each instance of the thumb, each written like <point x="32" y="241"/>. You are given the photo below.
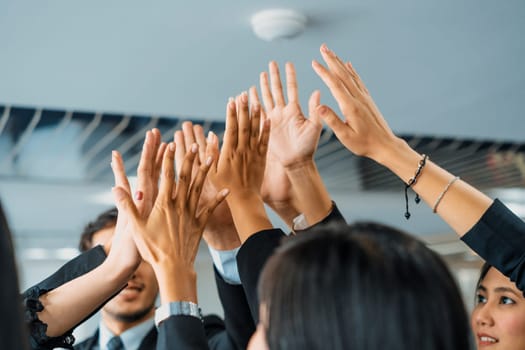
<point x="125" y="204"/>
<point x="313" y="103"/>
<point x="332" y="120"/>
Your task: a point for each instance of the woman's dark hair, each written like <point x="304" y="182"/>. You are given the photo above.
<point x="482" y="273"/>
<point x="13" y="333"/>
<point x="104" y="220"/>
<point x="362" y="286"/>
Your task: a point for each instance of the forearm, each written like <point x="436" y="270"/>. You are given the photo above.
<point x="70" y="303"/>
<point x="249" y="214"/>
<point x="310" y="191"/>
<point x="287" y="210"/>
<point x="177" y="282"/>
<point x="461" y="206"/>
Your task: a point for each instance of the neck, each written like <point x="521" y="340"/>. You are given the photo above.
<point x="118" y="326"/>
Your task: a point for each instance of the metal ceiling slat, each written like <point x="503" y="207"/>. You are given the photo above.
<point x="90" y="128"/>
<point x="24" y="138"/>
<point x="124" y="147"/>
<point x="327" y="149"/>
<point x="68" y="116"/>
<point x="5" y="118"/>
<point x="106" y="140"/>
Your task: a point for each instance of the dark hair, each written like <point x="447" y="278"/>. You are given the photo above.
<point x="483" y="272"/>
<point x="104" y="220"/>
<point x="361" y="286"/>
<point x="13" y="334"/>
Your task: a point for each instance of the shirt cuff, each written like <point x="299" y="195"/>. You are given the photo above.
<point x="225" y="262"/>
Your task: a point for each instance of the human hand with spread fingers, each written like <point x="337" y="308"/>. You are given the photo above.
<point x="219" y="233"/>
<point x="241" y="163"/>
<point x="168" y="239"/>
<point x="293" y="142"/>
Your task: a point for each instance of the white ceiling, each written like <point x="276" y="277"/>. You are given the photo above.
<point x="435" y="67"/>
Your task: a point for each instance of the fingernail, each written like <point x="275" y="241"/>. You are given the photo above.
<point x="210" y="136"/>
<point x="225" y="192"/>
<point x="113" y="153"/>
<point x="322" y="110"/>
<point x="209" y="160"/>
<point x="172" y="146"/>
<point x="230" y="99"/>
<point x="139" y="195"/>
<point x="244" y="97"/>
<point x="194" y="148"/>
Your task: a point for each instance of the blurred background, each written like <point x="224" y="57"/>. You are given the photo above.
<point x="80" y="79"/>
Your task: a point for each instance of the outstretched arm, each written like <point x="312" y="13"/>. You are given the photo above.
<point x="241" y="164"/>
<point x="293" y="141"/>
<point x="68" y="302"/>
<point x="365" y="132"/>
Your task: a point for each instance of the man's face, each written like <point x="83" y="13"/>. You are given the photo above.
<point x="138" y="298"/>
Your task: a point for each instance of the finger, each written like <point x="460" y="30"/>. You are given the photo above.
<point x="207" y="210"/>
<point x="331" y="119"/>
<point x="125" y="204"/>
<point x="338" y="68"/>
<point x="168" y="174"/>
<point x="266" y="93"/>
<point x="313" y="102"/>
<point x="277" y="88"/>
<point x="157" y="140"/>
<point x="119" y="171"/>
<point x="264" y="138"/>
<point x="158" y="166"/>
<point x="212" y="148"/>
<point x="291" y="83"/>
<point x="357" y="79"/>
<point x="146" y="165"/>
<point x="198" y="132"/>
<point x="230" y="134"/>
<point x="187" y="130"/>
<point x="184" y="180"/>
<point x="255" y="98"/>
<point x="180" y="150"/>
<point x="243" y="115"/>
<point x="255" y="122"/>
<point x="336" y="87"/>
<point x="196" y="186"/>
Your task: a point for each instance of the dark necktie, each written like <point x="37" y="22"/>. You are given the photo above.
<point x="115" y="343"/>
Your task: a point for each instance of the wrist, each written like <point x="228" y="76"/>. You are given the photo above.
<point x="177" y="281"/>
<point x="399" y="158"/>
<point x="222" y="239"/>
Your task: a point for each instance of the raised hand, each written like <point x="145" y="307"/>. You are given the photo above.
<point x="294" y="137"/>
<point x="219" y="233"/>
<point x="364" y="131"/>
<point x="169" y="237"/>
<point x="241" y="164"/>
<point x="293" y="141"/>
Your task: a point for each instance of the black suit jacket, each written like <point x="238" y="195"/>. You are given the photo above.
<point x="148" y="343"/>
<point x="181" y="332"/>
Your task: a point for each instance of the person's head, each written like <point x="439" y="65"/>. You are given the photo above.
<point x="362" y="286"/>
<point x="12" y="330"/>
<point x="498" y="319"/>
<point x="135" y="302"/>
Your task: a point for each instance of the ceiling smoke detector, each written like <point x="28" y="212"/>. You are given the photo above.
<point x="278" y="24"/>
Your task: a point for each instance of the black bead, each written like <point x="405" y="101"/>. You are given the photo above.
<point x="407" y="215"/>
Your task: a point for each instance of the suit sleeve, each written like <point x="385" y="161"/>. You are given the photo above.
<point x="74" y="268"/>
<point x="499" y="238"/>
<point x="239" y="325"/>
<point x="183" y="333"/>
<point x="251" y="258"/>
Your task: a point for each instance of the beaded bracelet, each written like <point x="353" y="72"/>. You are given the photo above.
<point x="412" y="181"/>
<point x="438" y="200"/>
